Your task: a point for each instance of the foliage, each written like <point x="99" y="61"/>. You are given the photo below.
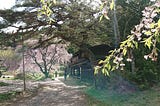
<point x="9" y="59"/>
<point x="146" y="73"/>
<point x="72" y="49"/>
<point x="71" y="21"/>
<point x="7" y="96"/>
<point x="129" y="13"/>
<point x="3" y="84"/>
<point x="30" y="76"/>
<point x="6" y="53"/>
<point x="45" y="10"/>
<point x="146" y="32"/>
<point x="35" y="76"/>
<point x="110" y="98"/>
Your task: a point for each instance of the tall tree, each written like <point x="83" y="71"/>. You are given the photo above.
<point x="72" y="21"/>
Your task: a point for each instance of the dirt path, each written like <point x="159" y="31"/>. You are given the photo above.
<point x="54" y="93"/>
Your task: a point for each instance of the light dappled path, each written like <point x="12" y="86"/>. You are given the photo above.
<point x="54" y="93"/>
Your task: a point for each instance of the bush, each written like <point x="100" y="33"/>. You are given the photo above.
<point x="19" y="76"/>
<point x="7" y="96"/>
<point x="30" y="76"/>
<point x="3" y="84"/>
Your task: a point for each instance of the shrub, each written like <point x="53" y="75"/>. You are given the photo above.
<point x="30" y="76"/>
<point x="7" y="95"/>
<point x="3" y="84"/>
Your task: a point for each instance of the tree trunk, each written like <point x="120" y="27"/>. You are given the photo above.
<point x="115" y="26"/>
<point x="23" y="57"/>
<point x="46" y="73"/>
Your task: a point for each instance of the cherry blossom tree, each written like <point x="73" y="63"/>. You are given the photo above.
<point x="44" y="58"/>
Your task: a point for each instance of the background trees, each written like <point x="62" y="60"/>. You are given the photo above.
<point x="45" y="59"/>
<point x="9" y="60"/>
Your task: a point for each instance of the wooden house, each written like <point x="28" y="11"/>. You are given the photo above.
<point x="85" y="59"/>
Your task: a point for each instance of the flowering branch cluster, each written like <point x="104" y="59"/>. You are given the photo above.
<point x="147" y="32"/>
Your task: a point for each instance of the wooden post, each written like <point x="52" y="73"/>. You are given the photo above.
<point x="80" y="71"/>
<point x="65" y="73"/>
<point x="24" y="78"/>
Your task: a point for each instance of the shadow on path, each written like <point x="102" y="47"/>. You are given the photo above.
<point x="55" y="93"/>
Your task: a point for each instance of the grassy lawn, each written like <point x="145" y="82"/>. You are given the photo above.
<point x="149" y="97"/>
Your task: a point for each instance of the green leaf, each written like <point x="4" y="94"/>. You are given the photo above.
<point x="100" y="19"/>
<point x="158" y="10"/>
<point x="111" y="51"/>
<point x="113" y="68"/>
<point x="157" y="32"/>
<point x="112" y="5"/>
<point x="103" y="70"/>
<point x="107" y="73"/>
<point x="157" y="39"/>
<point x="159" y="23"/>
<point x="109" y="66"/>
<point x="102" y="5"/>
<point x="100" y="62"/>
<point x="42" y="1"/>
<point x="136" y="44"/>
<point x="148" y="33"/>
<point x="152" y="25"/>
<point x="96" y="69"/>
<point x="106" y="17"/>
<point x="148" y="42"/>
<point x="129" y="44"/>
<point x="124" y="51"/>
<point x="123" y="43"/>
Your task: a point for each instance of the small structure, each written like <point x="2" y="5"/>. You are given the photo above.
<point x="83" y="62"/>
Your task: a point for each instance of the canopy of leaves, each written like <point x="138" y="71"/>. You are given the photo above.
<point x="70" y="21"/>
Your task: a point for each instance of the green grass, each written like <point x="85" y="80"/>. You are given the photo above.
<point x="35" y="76"/>
<point x="7" y="96"/>
<point x="74" y="82"/>
<point x="3" y="84"/>
<point x="110" y="98"/>
<point x="150" y="97"/>
<point x="30" y="76"/>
